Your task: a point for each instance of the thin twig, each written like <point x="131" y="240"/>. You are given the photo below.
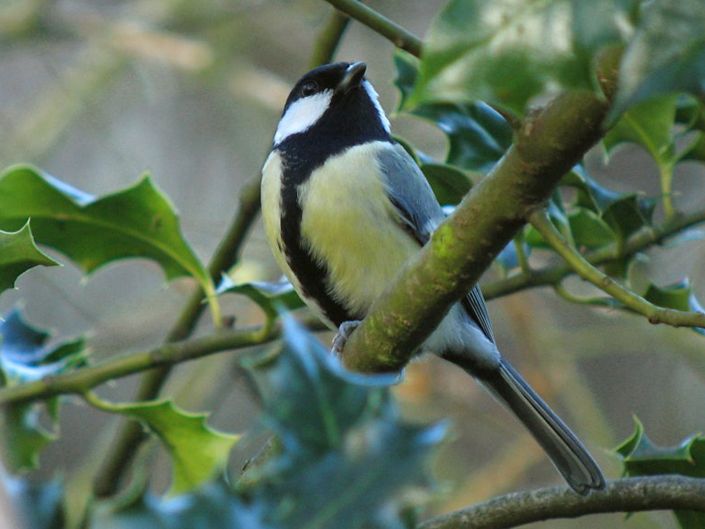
<point x="667" y="492"/>
<point x="389" y="29"/>
<point x="677" y="318"/>
<point x="552" y="275"/>
<point x="170" y="354"/>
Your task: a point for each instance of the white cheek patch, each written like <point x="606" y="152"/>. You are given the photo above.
<point x="302" y="114"/>
<point x="374" y="97"/>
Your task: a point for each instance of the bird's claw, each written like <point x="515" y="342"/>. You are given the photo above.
<point x="341" y="338"/>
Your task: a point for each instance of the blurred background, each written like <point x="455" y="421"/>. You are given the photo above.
<point x="96" y="92"/>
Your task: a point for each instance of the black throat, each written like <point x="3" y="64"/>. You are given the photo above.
<point x="349" y="122"/>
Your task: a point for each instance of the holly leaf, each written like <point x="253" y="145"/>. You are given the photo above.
<point x="509" y="51"/>
<point x="478" y="136"/>
<point x="26" y="354"/>
<point x="342" y="440"/>
<point x="197" y="451"/>
<point x="136" y="222"/>
<point x="641" y="457"/>
<point x="311" y="401"/>
<point x="23" y="436"/>
<point x="679" y="296"/>
<point x="665" y="56"/>
<point x="18" y="253"/>
<point x="449" y="184"/>
<point x="650" y="125"/>
<point x="271" y="297"/>
<point x="628" y="215"/>
<point x="589" y="230"/>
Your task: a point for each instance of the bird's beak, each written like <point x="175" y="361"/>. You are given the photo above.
<point x="352" y="77"/>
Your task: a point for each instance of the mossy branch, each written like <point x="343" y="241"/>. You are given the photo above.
<point x="667" y="492"/>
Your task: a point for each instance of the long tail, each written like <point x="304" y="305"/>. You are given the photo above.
<point x="565" y="450"/>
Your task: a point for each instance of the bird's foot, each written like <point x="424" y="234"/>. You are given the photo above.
<point x="341" y="338"/>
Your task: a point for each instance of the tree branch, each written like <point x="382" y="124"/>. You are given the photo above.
<point x="389" y="29"/>
<point x="677" y="318"/>
<point x="623" y="495"/>
<point x="169" y="354"/>
<point x="552" y="275"/>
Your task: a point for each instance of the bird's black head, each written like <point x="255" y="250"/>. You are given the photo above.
<point x="332" y="106"/>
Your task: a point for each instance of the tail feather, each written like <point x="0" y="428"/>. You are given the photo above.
<point x="565" y="450"/>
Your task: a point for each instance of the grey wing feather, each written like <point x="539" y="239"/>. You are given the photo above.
<point x="409" y="191"/>
<point x="420" y="213"/>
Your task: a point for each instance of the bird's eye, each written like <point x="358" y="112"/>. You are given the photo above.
<point x="309" y="88"/>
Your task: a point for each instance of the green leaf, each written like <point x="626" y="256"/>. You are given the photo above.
<point x="449" y="184"/>
<point x="509" y="51"/>
<point x="342" y="440"/>
<point x="23" y="436"/>
<point x="478" y="136"/>
<point x="666" y="55"/>
<point x="641" y="457"/>
<point x="628" y="215"/>
<point x="695" y="150"/>
<point x="25" y="356"/>
<point x="650" y="125"/>
<point x="18" y="254"/>
<point x="197" y="451"/>
<point x="589" y="230"/>
<point x="679" y="296"/>
<point x="136" y="222"/>
<point x="271" y="297"/>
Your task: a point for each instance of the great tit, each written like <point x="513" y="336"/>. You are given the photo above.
<point x="345" y="207"/>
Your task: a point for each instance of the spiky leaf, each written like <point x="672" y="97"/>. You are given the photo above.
<point x="18" y="253"/>
<point x="641" y="457"/>
<point x="197" y="451"/>
<point x="136" y="222"/>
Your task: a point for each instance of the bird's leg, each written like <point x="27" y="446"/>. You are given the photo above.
<point x="344" y="331"/>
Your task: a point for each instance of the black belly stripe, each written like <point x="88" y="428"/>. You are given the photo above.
<point x="311" y="274"/>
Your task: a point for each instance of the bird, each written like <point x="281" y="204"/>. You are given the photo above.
<point x="344" y="207"/>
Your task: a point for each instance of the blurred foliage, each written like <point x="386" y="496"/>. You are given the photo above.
<point x="485" y="64"/>
<point x="342" y="441"/>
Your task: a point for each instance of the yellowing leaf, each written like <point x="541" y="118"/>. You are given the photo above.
<point x="197" y="451"/>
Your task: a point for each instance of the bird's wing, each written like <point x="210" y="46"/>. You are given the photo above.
<point x="419" y="213"/>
